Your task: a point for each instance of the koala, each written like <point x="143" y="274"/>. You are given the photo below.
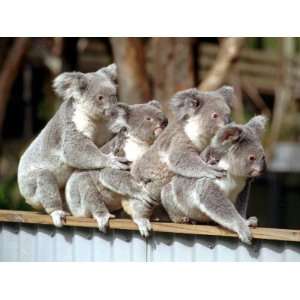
<point x="87" y="192"/>
<point x="204" y="199"/>
<point x="198" y="115"/>
<point x="70" y="140"/>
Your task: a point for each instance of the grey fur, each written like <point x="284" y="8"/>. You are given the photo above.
<point x="207" y="199"/>
<point x="176" y="151"/>
<point x="70" y="139"/>
<point x="92" y="193"/>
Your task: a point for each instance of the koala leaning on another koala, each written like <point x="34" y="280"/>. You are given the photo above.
<point x="70" y="139"/>
<point x="198" y="115"/>
<point x="86" y="193"/>
<point x="242" y="156"/>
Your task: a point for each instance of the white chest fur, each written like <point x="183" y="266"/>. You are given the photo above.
<point x="83" y="123"/>
<point x="230" y="185"/>
<point x="134" y="148"/>
<point x="193" y="130"/>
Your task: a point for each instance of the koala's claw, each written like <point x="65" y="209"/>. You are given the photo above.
<point x="245" y="235"/>
<point x="103" y="220"/>
<point x="144" y="226"/>
<point x="252" y="222"/>
<point x="59" y="217"/>
<point x="184" y="220"/>
<point x="116" y="162"/>
<point x="216" y="172"/>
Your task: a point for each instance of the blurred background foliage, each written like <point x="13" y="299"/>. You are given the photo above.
<point x="265" y="73"/>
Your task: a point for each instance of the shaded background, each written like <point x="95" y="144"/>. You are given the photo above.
<point x="264" y="71"/>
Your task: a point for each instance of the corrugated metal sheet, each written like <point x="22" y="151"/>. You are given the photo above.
<point x="26" y="242"/>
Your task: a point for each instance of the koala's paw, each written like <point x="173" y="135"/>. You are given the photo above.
<point x="144" y="226"/>
<point x="252" y="222"/>
<point x="103" y="220"/>
<point x="116" y="162"/>
<point x="180" y="220"/>
<point x="143" y="195"/>
<point x="59" y="217"/>
<point x="216" y="172"/>
<point x="245" y="234"/>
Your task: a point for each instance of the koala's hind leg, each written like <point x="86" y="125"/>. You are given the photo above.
<point x="140" y="213"/>
<point x="212" y="202"/>
<point x="85" y="199"/>
<point x="40" y="188"/>
<point x="167" y="199"/>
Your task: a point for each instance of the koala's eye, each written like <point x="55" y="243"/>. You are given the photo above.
<point x="251" y="157"/>
<point x="148" y="118"/>
<point x="214" y="115"/>
<point x="195" y="103"/>
<point x="100" y="98"/>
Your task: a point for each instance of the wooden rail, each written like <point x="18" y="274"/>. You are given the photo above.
<point x="126" y="224"/>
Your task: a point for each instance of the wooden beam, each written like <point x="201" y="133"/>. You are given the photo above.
<point x="126" y="224"/>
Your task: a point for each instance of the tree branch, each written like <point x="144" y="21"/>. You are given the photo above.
<point x="229" y="51"/>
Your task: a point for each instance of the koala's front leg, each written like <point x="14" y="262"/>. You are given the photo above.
<point x="81" y="153"/>
<point x="187" y="162"/>
<point x="243" y="199"/>
<point x="123" y="183"/>
<point x="217" y="207"/>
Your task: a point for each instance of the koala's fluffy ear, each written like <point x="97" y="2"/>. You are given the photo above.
<point x="70" y="84"/>
<point x="185" y="103"/>
<point x="258" y="124"/>
<point x="118" y="116"/>
<point x="155" y="103"/>
<point x="228" y="93"/>
<point x="111" y="72"/>
<point x="228" y="134"/>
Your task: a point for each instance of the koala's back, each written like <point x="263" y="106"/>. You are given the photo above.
<point x="45" y="151"/>
<point x="152" y="167"/>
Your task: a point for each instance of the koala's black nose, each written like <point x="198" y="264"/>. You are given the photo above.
<point x="227" y="119"/>
<point x="113" y="99"/>
<point x="164" y="123"/>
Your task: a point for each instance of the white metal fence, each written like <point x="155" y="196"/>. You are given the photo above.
<point x="31" y="242"/>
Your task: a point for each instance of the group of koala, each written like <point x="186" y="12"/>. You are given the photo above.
<point x="97" y="156"/>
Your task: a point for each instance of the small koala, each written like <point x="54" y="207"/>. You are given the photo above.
<point x="70" y="139"/>
<point x="198" y="115"/>
<point x="87" y="192"/>
<point x="202" y="199"/>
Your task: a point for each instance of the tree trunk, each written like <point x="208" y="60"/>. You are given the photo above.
<point x="173" y="66"/>
<point x="9" y="72"/>
<point x="283" y="93"/>
<point x="129" y="55"/>
<point x="229" y="51"/>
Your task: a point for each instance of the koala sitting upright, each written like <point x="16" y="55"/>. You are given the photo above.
<point x="198" y="115"/>
<point x="86" y="193"/>
<point x="205" y="198"/>
<point x="70" y="139"/>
